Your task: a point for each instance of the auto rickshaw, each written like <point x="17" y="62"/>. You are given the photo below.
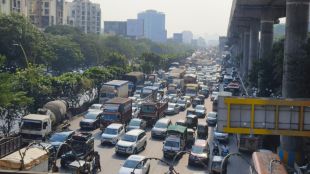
<point x="202" y="130"/>
<point x="216" y="164"/>
<point x="181" y="122"/>
<point x="201" y="97"/>
<point x="191" y="121"/>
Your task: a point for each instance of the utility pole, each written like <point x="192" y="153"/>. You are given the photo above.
<point x="25" y="56"/>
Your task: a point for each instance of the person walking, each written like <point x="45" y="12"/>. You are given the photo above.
<point x="97" y="161"/>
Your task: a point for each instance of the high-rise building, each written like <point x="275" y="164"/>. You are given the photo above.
<point x="42" y="13"/>
<point x="85" y="15"/>
<point x="135" y="28"/>
<point x="187" y="37"/>
<point x="115" y="28"/>
<point x="177" y="37"/>
<point x="154" y="25"/>
<point x="222" y="43"/>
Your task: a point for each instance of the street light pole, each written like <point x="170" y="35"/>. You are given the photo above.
<point x="22" y="48"/>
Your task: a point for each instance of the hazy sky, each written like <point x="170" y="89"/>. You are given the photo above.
<point x="200" y="16"/>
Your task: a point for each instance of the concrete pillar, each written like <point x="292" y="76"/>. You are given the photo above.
<point x="246" y="49"/>
<point x="266" y="38"/>
<point x="253" y="55"/>
<point x="297" y="18"/>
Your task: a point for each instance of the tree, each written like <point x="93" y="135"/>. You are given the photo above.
<point x="68" y="54"/>
<point x="116" y="59"/>
<point x="16" y="30"/>
<point x="12" y="101"/>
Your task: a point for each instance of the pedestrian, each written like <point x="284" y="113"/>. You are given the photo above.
<point x="97" y="161"/>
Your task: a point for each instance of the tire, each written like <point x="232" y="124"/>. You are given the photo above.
<point x="148" y="170"/>
<point x="135" y="151"/>
<point x="144" y="146"/>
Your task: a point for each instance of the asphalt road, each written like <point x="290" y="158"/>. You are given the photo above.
<point x="111" y="163"/>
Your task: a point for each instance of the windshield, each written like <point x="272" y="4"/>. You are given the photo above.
<point x="181" y="101"/>
<point x="160" y="125"/>
<point x="91" y="116"/>
<point x="32" y="125"/>
<point x="129" y="138"/>
<point x="148" y="108"/>
<point x="170" y="105"/>
<point x="110" y="117"/>
<point x="58" y="137"/>
<point x="132" y="164"/>
<point x="214" y="93"/>
<point x="199" y="107"/>
<point x="110" y="131"/>
<point x="134" y="123"/>
<point x="190" y="91"/>
<point x="197" y="149"/>
<point x="172" y="144"/>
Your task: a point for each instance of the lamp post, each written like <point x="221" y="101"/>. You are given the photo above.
<point x="22" y="48"/>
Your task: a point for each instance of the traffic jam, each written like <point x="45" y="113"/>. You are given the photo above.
<point x="141" y="123"/>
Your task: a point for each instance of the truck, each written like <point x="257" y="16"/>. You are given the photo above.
<point x="191" y="90"/>
<point x="114" y="88"/>
<point x="179" y="83"/>
<point x="152" y="78"/>
<point x="190" y="78"/>
<point x="134" y="79"/>
<point x="116" y="110"/>
<point x="152" y="110"/>
<point x="37" y="127"/>
<point x="34" y="160"/>
<point x="149" y="92"/>
<point x="176" y="74"/>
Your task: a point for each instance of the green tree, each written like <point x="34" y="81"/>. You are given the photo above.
<point x="16" y="30"/>
<point x="116" y="59"/>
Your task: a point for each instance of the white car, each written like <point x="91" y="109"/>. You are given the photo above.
<point x="96" y="107"/>
<point x="132" y="142"/>
<point x="200" y="111"/>
<point x="131" y="162"/>
<point x="112" y="133"/>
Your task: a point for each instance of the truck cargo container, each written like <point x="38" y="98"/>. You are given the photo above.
<point x="151" y="111"/>
<point x="114" y="88"/>
<point x="134" y="79"/>
<point x="116" y="110"/>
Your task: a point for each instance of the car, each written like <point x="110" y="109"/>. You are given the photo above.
<point x="197" y="101"/>
<point x="172" y="109"/>
<point x="160" y="128"/>
<point x="132" y="142"/>
<point x="182" y="102"/>
<point x="91" y="120"/>
<point x="112" y="133"/>
<point x="136" y="123"/>
<point x="212" y="119"/>
<point x="95" y="107"/>
<point x="200" y="111"/>
<point x="221" y="136"/>
<point x="191" y="121"/>
<point x="136" y="162"/>
<point x="57" y="139"/>
<point x="199" y="154"/>
<point x="172" y="98"/>
<point x="214" y="95"/>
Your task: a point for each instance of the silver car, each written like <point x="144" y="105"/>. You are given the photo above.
<point x="112" y="133"/>
<point x="132" y="142"/>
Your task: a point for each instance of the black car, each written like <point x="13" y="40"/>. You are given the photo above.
<point x="91" y="120"/>
<point x="57" y="139"/>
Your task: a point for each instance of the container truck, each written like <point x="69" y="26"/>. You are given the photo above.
<point x="190" y="78"/>
<point x="151" y="111"/>
<point x="134" y="79"/>
<point x="149" y="92"/>
<point x="116" y="110"/>
<point x="152" y="78"/>
<point x="49" y="118"/>
<point x="114" y="88"/>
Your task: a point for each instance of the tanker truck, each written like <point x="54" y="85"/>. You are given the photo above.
<point x="36" y="127"/>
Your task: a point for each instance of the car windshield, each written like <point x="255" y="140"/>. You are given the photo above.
<point x="58" y="137"/>
<point x="134" y="123"/>
<point x="199" y="107"/>
<point x="197" y="149"/>
<point x="171" y="105"/>
<point x="110" y="131"/>
<point x="172" y="144"/>
<point x="94" y="107"/>
<point x="132" y="164"/>
<point x="181" y="101"/>
<point x="130" y="138"/>
<point x="160" y="125"/>
<point x="214" y="93"/>
<point x="91" y="116"/>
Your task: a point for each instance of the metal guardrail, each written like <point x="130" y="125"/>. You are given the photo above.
<point x="9" y="145"/>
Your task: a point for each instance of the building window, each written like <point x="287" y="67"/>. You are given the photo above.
<point x="46" y="4"/>
<point x="3" y="1"/>
<point x="46" y="11"/>
<point x="73" y="13"/>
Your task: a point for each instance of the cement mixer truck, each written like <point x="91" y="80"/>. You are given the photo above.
<point x="36" y="127"/>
